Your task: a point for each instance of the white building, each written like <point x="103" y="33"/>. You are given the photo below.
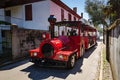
<point x="29" y="15"/>
<point x="33" y="14"/>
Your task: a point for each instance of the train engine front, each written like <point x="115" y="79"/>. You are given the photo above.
<point x="50" y="53"/>
<point x="50" y="47"/>
<point x="59" y="50"/>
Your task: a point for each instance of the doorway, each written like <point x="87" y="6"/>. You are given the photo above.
<point x="5" y="46"/>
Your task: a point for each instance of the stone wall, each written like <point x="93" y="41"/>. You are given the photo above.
<point x="23" y="40"/>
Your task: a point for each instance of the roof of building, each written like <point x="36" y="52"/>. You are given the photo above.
<point x="9" y="3"/>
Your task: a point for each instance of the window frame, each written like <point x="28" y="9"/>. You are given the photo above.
<point x="28" y="12"/>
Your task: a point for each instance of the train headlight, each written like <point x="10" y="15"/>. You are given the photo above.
<point x="44" y="36"/>
<point x="35" y="54"/>
<point x="63" y="57"/>
<point x="60" y="56"/>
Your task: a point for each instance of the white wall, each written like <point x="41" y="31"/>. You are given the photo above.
<point x="16" y="12"/>
<point x="17" y="15"/>
<point x="2" y="14"/>
<point x="41" y="12"/>
<point x="56" y="10"/>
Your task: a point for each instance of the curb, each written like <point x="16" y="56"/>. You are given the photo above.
<point x="101" y="64"/>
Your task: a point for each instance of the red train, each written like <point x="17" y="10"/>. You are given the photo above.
<point x="66" y="43"/>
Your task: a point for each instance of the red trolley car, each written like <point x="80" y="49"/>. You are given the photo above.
<point x="67" y="43"/>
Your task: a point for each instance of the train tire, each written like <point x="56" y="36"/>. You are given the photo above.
<point x="71" y="62"/>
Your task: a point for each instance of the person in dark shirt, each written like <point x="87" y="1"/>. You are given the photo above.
<point x="73" y="32"/>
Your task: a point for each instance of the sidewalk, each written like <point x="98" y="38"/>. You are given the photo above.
<point x="105" y="69"/>
<point x="91" y="65"/>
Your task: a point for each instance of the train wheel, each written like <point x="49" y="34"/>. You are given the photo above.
<point x="71" y="62"/>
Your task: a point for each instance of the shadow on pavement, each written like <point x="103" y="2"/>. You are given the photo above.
<point x="13" y="65"/>
<point x="38" y="73"/>
<point x="89" y="51"/>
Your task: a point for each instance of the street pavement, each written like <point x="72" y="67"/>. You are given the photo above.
<point x="86" y="68"/>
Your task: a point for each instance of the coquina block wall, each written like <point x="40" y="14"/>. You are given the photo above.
<point x="24" y="40"/>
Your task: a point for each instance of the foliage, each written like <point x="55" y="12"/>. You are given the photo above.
<point x="100" y="29"/>
<point x="95" y="11"/>
<point x="96" y="14"/>
<point x="112" y="10"/>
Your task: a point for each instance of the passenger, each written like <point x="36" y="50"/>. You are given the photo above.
<point x="84" y="34"/>
<point x="63" y="33"/>
<point x="73" y="32"/>
<point x="68" y="32"/>
<point x="89" y="35"/>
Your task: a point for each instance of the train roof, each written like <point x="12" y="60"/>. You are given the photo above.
<point x="68" y="23"/>
<point x="74" y="24"/>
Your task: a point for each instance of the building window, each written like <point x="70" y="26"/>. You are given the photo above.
<point x="74" y="18"/>
<point x="62" y="15"/>
<point x="28" y="12"/>
<point x="69" y="17"/>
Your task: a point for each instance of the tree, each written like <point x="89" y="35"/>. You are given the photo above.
<point x="115" y="7"/>
<point x="95" y="11"/>
<point x="112" y="10"/>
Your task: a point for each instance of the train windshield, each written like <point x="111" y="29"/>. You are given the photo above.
<point x="66" y="28"/>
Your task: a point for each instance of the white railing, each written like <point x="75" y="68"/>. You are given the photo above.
<point x="12" y="20"/>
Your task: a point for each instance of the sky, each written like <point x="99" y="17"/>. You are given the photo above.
<point x="80" y="4"/>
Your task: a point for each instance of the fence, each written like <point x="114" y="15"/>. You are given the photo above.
<point x="113" y="48"/>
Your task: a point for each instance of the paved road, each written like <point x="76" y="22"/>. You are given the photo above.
<point x="86" y="69"/>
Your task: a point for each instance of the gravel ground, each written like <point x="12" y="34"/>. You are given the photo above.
<point x="106" y="73"/>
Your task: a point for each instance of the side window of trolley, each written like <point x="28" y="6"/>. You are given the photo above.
<point x="59" y="31"/>
<point x="72" y="32"/>
<point x="56" y="31"/>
